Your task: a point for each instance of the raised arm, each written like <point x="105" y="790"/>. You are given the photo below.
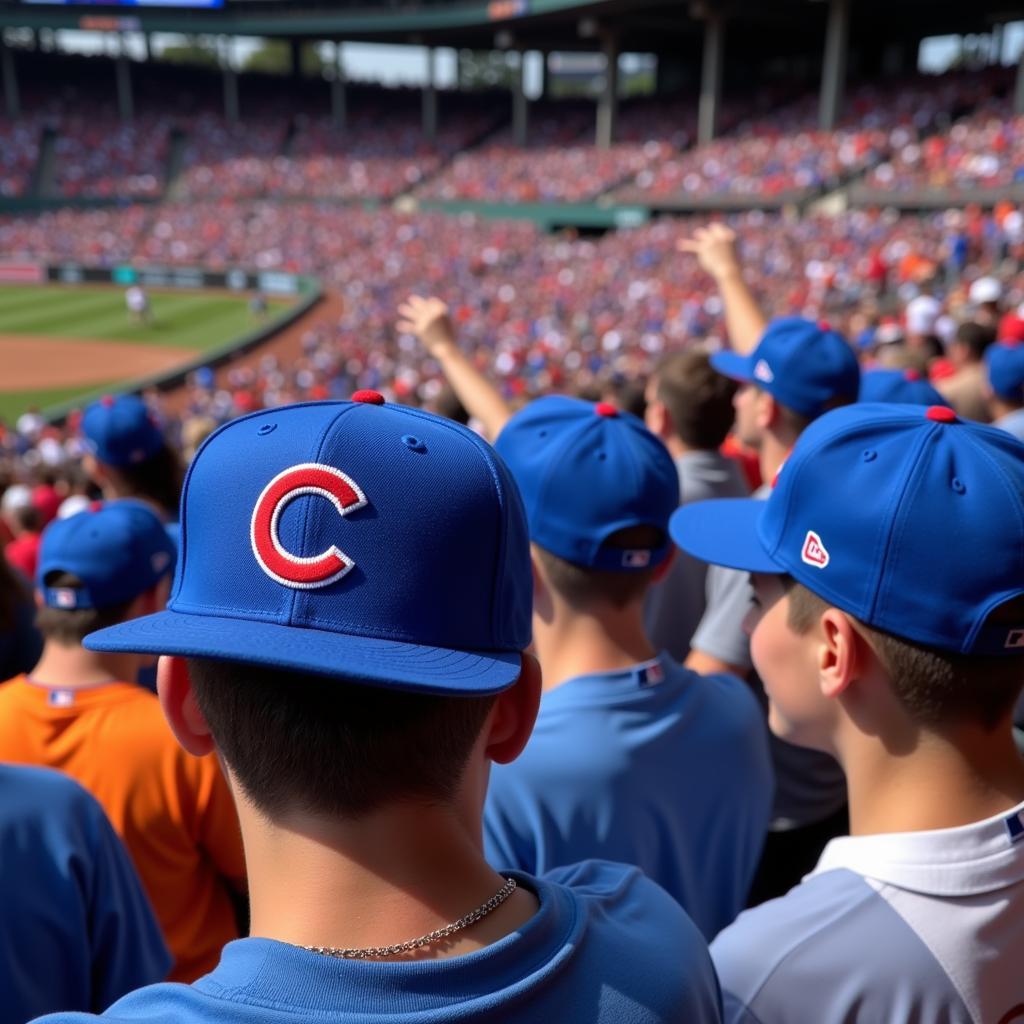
<point x="715" y="248"/>
<point x="429" y="321"/>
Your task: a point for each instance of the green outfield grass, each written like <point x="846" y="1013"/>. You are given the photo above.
<point x="178" y="319"/>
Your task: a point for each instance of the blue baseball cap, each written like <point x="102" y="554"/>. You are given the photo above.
<point x="120" y="431"/>
<point x="906" y="387"/>
<point x="118" y="549"/>
<point x="908" y="518"/>
<point x="1005" y="363"/>
<point x="586" y="471"/>
<point x="373" y="542"/>
<point x="803" y="365"/>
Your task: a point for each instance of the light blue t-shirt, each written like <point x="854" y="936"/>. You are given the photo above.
<point x="914" y="927"/>
<point x="76" y="928"/>
<point x="606" y="946"/>
<point x="654" y="766"/>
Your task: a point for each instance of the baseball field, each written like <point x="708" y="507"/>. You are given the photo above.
<point x="58" y="342"/>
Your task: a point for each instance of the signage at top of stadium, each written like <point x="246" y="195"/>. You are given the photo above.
<point x="502" y="10"/>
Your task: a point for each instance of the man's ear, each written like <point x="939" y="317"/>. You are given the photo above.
<point x="174" y="687"/>
<point x="515" y="711"/>
<point x="767" y="411"/>
<point x="658" y="419"/>
<point x="842" y="655"/>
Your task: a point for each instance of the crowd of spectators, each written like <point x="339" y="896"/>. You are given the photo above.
<point x="982" y="150"/>
<point x="538" y="311"/>
<point x="99" y="155"/>
<point x="19" y="154"/>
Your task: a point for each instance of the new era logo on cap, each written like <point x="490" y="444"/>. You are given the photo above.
<point x="814" y="552"/>
<point x="763" y="372"/>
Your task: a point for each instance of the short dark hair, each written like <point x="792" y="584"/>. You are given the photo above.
<point x="158" y="479"/>
<point x="331" y="746"/>
<point x="976" y="338"/>
<point x="583" y="587"/>
<point x="935" y="687"/>
<point x="698" y="398"/>
<point x="70" y="626"/>
<point x="797" y="422"/>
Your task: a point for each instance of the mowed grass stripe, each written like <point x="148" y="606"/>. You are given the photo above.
<point x="186" y="320"/>
<point x="52" y="314"/>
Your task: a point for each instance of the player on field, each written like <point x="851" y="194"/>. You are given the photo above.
<point x="82" y="712"/>
<point x="633" y="757"/>
<point x="136" y="300"/>
<point x="347" y="632"/>
<point x="888" y="629"/>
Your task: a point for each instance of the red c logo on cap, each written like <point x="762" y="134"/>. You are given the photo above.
<point x="295" y="571"/>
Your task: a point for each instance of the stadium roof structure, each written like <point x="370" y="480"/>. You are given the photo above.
<point x="659" y="26"/>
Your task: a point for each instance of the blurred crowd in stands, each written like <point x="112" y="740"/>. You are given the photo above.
<point x="954" y="131"/>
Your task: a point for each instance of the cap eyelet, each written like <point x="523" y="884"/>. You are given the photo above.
<point x="602" y="456"/>
<point x="958" y="485"/>
<point x="542" y="433"/>
<point x="869" y="455"/>
<point x="266" y="428"/>
<point x="414" y="444"/>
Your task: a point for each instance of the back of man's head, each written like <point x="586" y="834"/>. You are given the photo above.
<point x="353" y="593"/>
<point x="972" y="339"/>
<point x="599" y="489"/>
<point x="696" y="397"/>
<point x="94" y="565"/>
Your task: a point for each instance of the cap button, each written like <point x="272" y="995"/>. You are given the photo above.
<point x="911" y="374"/>
<point x="368" y="396"/>
<point x="606" y="409"/>
<point x="940" y="414"/>
<point x="107" y="400"/>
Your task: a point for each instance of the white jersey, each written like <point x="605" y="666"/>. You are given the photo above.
<point x="915" y="927"/>
<point x="136" y="299"/>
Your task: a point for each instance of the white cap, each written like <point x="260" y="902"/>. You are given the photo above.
<point x="984" y="290"/>
<point x="16" y="497"/>
<point x="922" y="313"/>
<point x="72" y="505"/>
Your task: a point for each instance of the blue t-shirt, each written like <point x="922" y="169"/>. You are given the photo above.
<point x="606" y="946"/>
<point x="76" y="928"/>
<point x="910" y="927"/>
<point x="654" y="766"/>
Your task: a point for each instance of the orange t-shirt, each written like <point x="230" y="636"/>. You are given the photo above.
<point x="173" y="811"/>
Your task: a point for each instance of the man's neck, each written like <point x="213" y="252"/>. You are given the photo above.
<point x="382" y="880"/>
<point x="72" y="667"/>
<point x="933" y="781"/>
<point x="676" y="448"/>
<point x="772" y="453"/>
<point x="574" y="644"/>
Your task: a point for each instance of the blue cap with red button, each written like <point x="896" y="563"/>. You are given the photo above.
<point x="904" y="386"/>
<point x="120" y="430"/>
<point x="586" y="472"/>
<point x="364" y="540"/>
<point x="910" y="519"/>
<point x="805" y="366"/>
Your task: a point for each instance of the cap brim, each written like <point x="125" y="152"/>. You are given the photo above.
<point x="370" y="660"/>
<point x="724" y="531"/>
<point x="733" y="365"/>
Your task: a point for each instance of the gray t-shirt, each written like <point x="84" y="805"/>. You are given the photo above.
<point x="809" y="785"/>
<point x="675" y="605"/>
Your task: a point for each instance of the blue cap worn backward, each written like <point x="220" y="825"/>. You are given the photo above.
<point x="121" y="431"/>
<point x="906" y="387"/>
<point x="586" y="471"/>
<point x="1005" y="364"/>
<point x="118" y="550"/>
<point x="803" y="365"/>
<point x="908" y="518"/>
<point x="372" y="542"/>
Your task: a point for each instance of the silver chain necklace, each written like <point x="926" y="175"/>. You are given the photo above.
<point x="373" y="952"/>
